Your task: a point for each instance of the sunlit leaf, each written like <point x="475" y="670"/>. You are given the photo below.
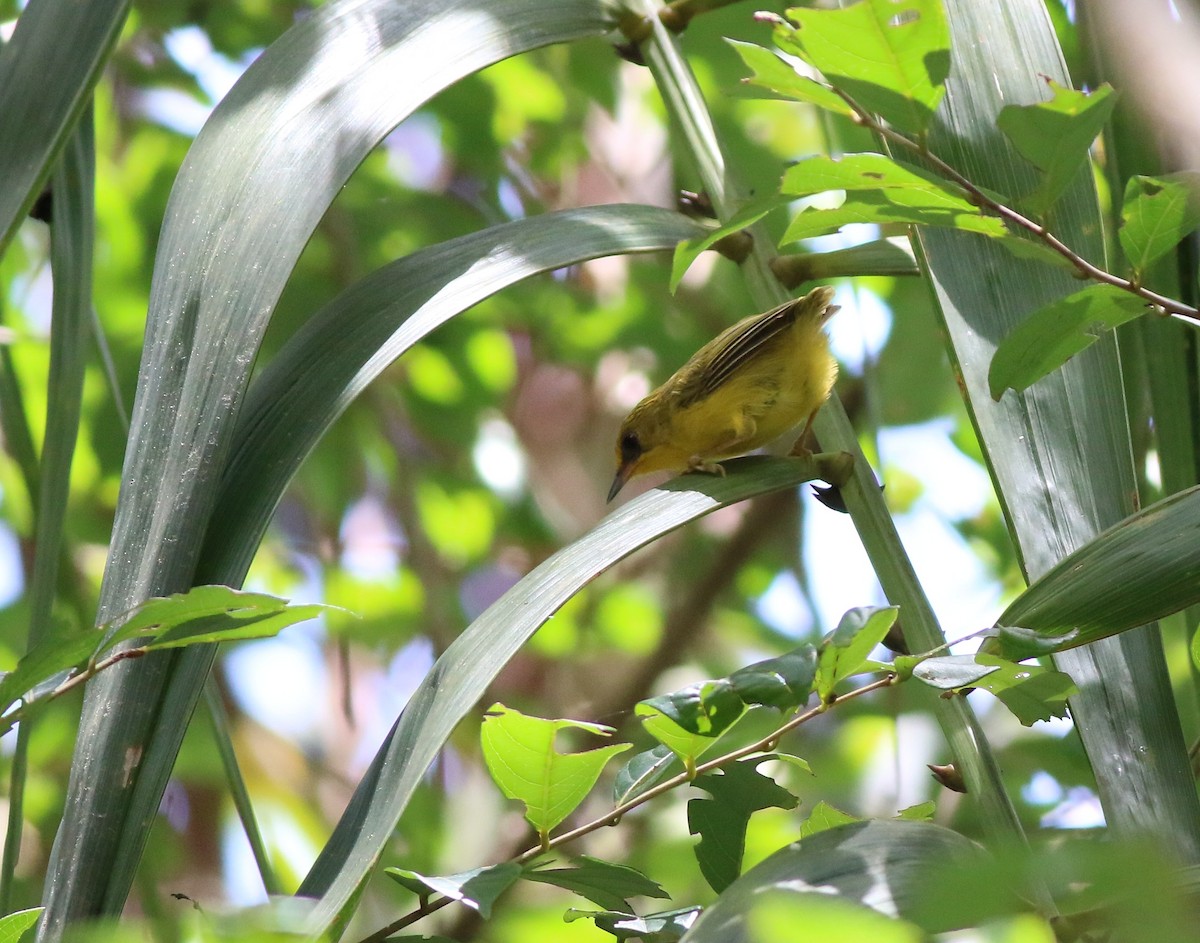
<point x="771" y="72"/>
<point x="520" y="754"/>
<point x="478" y="888"/>
<point x="845" y="652"/>
<point x="825" y="816"/>
<point x="13" y="926"/>
<point x="892" y="57"/>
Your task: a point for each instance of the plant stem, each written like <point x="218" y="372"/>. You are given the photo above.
<point x="613" y="817"/>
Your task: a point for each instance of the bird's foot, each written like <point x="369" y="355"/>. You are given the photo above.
<point x="698" y="464"/>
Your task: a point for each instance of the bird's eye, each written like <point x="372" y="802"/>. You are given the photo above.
<point x="630" y="444"/>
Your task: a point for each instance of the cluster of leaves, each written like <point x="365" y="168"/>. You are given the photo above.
<point x="892" y="80"/>
<point x="899" y="65"/>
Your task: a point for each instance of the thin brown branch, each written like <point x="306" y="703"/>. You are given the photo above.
<point x="433" y="904"/>
<point x="985" y="202"/>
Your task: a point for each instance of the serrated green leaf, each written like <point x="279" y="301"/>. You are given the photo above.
<point x="1031" y="692"/>
<point x="1055" y="136"/>
<point x="845" y="651"/>
<point x="823" y="817"/>
<point x="707" y="708"/>
<point x="1157" y="213"/>
<point x="520" y="755"/>
<point x="608" y="885"/>
<point x="208" y="614"/>
<point x="772" y="73"/>
<point x="478" y="888"/>
<point x="906" y="185"/>
<point x="1054" y="334"/>
<point x="892" y="57"/>
<point x="738" y="790"/>
<point x="643" y="771"/>
<point x="783" y="682"/>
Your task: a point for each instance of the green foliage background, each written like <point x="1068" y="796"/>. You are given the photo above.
<point x="548" y="366"/>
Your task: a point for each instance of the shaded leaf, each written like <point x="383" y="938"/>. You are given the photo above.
<point x="1031" y="692"/>
<point x="1055" y="136"/>
<point x="520" y="754"/>
<point x="643" y="771"/>
<point x="707" y="708"/>
<point x="688" y="250"/>
<point x="1054" y="334"/>
<point x="892" y="57"/>
<point x="784" y="682"/>
<point x="478" y="888"/>
<point x="1141" y="569"/>
<point x="738" y="790"/>
<point x="608" y="885"/>
<point x="883" y="864"/>
<point x="1157" y="213"/>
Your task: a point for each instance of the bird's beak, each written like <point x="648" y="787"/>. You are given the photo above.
<point x="623" y="474"/>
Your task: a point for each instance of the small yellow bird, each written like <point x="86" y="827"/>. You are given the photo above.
<point x="751" y="383"/>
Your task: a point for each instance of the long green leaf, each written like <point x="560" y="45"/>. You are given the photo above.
<point x="463" y="672"/>
<point x="1059" y="451"/>
<point x="72" y="235"/>
<point x="257" y="180"/>
<point x="882" y="864"/>
<point x="345" y="345"/>
<point x="69" y="41"/>
<point x="1144" y="568"/>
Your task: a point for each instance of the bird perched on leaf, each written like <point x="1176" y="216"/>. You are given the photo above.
<point x="751" y="383"/>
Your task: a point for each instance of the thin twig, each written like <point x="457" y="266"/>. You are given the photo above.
<point x="613" y="817"/>
<point x="1008" y="214"/>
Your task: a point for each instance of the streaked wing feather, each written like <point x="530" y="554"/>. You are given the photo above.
<point x="747" y="344"/>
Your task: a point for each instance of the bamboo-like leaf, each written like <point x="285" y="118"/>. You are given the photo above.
<point x="36" y="115"/>
<point x="1142" y="569"/>
<point x="1059" y="451"/>
<point x="255" y="183"/>
<point x="877" y="863"/>
<point x="466" y="668"/>
<point x="353" y="338"/>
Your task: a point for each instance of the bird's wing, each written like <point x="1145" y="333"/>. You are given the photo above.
<point x="742" y="343"/>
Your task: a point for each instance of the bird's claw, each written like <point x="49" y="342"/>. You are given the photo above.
<point x="697" y="464"/>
